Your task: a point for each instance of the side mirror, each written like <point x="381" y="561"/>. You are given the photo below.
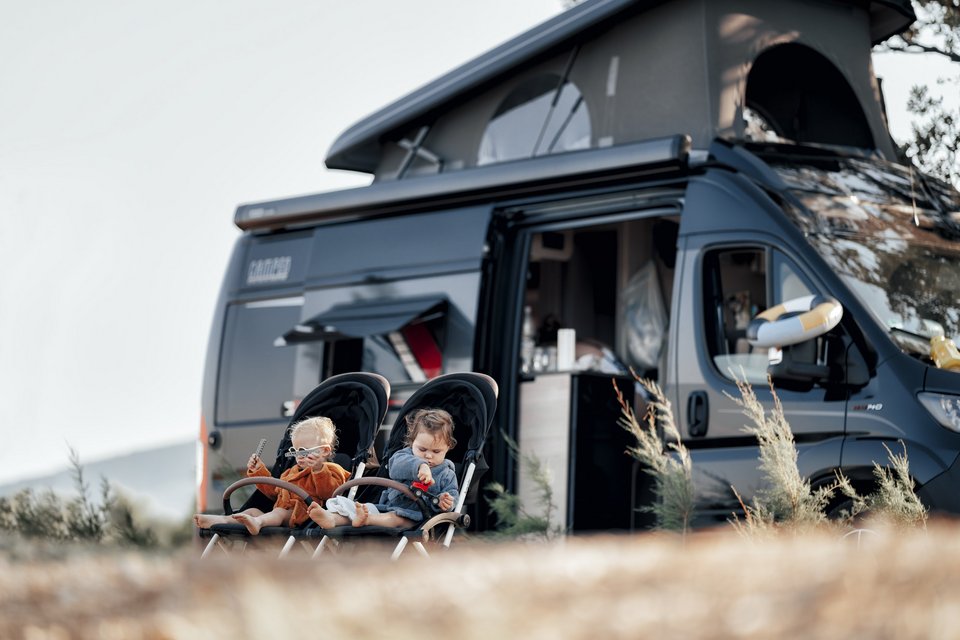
<point x="797" y="369"/>
<point x="832" y="360"/>
<point x="792" y="330"/>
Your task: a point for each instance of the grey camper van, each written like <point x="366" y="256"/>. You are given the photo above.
<point x="627" y="184"/>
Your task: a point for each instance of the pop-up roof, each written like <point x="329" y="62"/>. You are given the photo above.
<point x="611" y="72"/>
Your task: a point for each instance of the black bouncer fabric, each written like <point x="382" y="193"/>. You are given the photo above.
<point x="357" y="404"/>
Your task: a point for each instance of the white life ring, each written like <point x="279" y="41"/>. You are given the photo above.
<point x="817" y="315"/>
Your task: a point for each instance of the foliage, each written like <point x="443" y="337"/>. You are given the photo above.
<point x="787" y="497"/>
<point x="935" y="141"/>
<point x="936" y="30"/>
<point x="112" y="520"/>
<point x="894" y="502"/>
<point x="935" y="145"/>
<point x="513" y="519"/>
<point x="788" y="501"/>
<point x="670" y="466"/>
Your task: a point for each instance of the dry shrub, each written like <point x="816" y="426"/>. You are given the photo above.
<point x="78" y="520"/>
<point x="669" y="463"/>
<point x="787" y="498"/>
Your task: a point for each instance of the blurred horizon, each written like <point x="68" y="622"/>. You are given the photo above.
<point x="132" y="475"/>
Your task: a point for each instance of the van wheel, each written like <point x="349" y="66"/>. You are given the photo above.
<point x="837" y="509"/>
<point x="842" y="505"/>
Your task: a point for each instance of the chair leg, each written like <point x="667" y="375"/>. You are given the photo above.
<point x="210" y="545"/>
<point x="400" y="547"/>
<point x="419" y="547"/>
<point x="287" y="546"/>
<point x="322" y="546"/>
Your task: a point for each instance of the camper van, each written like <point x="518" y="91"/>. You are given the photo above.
<point x="629" y="185"/>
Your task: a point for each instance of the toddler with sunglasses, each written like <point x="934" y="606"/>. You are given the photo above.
<point x="313" y="442"/>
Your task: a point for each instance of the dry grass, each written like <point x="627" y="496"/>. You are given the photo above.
<point x="710" y="585"/>
<point x="660" y="448"/>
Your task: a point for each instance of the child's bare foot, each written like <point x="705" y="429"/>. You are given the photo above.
<point x="362" y="515"/>
<point x="323" y="518"/>
<point x="206" y="520"/>
<point x="250" y="522"/>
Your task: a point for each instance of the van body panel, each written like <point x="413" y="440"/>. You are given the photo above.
<point x="886" y="411"/>
<point x="398" y="247"/>
<point x="275" y="261"/>
<point x="941" y="493"/>
<point x="941" y="380"/>
<point x="723" y="211"/>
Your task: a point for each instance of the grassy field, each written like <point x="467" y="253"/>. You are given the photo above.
<point x="710" y="585"/>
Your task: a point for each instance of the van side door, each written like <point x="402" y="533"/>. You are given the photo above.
<point x="727" y="279"/>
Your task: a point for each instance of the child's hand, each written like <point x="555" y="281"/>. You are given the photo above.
<point x="424" y="475"/>
<point x="311" y="461"/>
<point x="253" y="463"/>
<point x="446" y="501"/>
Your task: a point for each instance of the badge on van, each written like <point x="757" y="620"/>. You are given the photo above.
<point x="267" y="270"/>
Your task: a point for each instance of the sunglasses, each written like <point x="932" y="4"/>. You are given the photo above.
<point x="301" y="452"/>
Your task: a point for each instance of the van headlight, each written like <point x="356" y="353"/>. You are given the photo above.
<point x="944" y="408"/>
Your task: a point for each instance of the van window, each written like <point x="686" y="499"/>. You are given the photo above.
<point x="256" y="378"/>
<point x="739" y="283"/>
<point x="410" y="353"/>
<point x="408" y="330"/>
<point x="544" y="115"/>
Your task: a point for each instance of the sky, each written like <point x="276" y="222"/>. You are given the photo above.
<point x="129" y="133"/>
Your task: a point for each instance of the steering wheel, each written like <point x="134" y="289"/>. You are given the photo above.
<point x="794" y="321"/>
<point x="276" y="482"/>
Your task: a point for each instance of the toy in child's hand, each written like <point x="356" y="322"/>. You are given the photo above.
<point x="263" y="442"/>
<point x="420" y="490"/>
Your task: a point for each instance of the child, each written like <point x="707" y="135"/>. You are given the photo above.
<point x="313" y="441"/>
<point x="429" y="437"/>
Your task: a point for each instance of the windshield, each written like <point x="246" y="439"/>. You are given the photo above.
<point x="891" y="233"/>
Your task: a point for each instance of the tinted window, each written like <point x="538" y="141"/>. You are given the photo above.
<point x="537" y="119"/>
<point x="441" y="341"/>
<point x="736" y="287"/>
<point x="256" y="377"/>
<point x="891" y="234"/>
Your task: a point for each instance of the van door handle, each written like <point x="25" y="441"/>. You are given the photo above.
<point x="698" y="414"/>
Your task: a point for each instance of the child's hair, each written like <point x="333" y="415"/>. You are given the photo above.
<point x="322" y="426"/>
<point x="436" y="422"/>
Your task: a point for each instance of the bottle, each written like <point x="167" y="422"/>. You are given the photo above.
<point x="944" y="353"/>
<point x="527" y="343"/>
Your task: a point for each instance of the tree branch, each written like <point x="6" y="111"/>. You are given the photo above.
<point x="916" y="47"/>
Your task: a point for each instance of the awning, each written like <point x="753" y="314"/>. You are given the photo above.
<point x="363" y="318"/>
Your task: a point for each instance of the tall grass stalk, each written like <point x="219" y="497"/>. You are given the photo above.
<point x="895" y="500"/>
<point x="787" y="498"/>
<point x="664" y="457"/>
